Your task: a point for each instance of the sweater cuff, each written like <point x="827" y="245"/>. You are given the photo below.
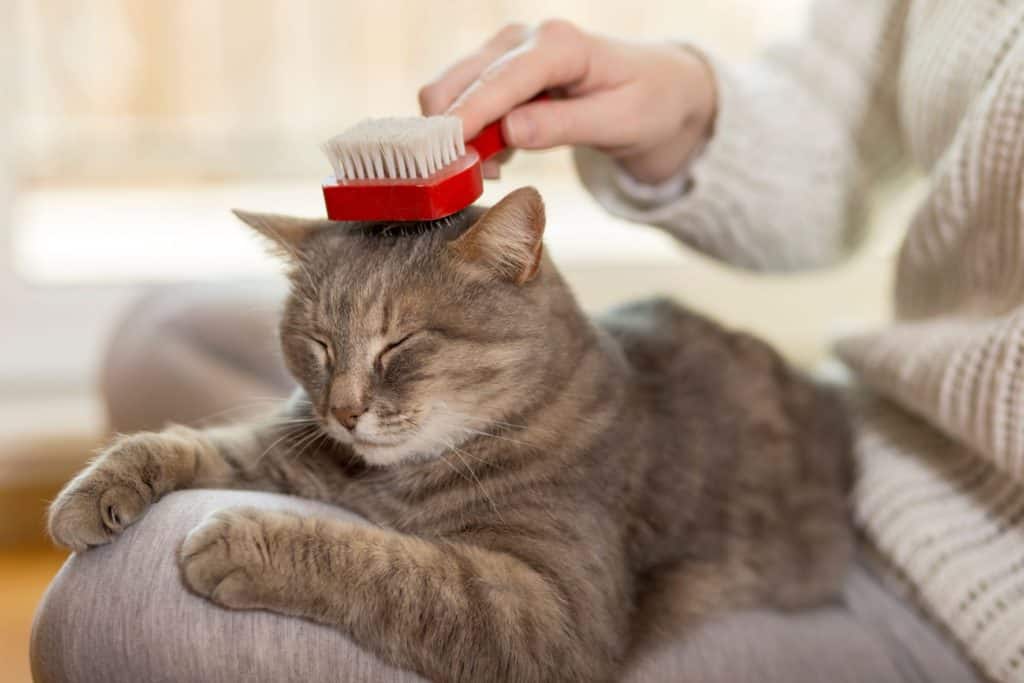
<point x="641" y="194"/>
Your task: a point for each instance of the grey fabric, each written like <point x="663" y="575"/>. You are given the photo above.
<point x="870" y="637"/>
<point x="186" y="354"/>
<point x="121" y="613"/>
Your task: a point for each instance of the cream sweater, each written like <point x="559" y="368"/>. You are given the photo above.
<point x="800" y="135"/>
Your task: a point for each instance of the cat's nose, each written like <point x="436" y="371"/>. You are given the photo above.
<point x="348" y="415"/>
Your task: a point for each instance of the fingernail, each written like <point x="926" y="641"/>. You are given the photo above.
<point x="519" y="129"/>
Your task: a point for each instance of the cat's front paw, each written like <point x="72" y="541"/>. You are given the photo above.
<point x="227" y="558"/>
<point x="114" y="491"/>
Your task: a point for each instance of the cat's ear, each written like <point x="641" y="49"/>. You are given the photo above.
<point x="285" y="233"/>
<point x="507" y="239"/>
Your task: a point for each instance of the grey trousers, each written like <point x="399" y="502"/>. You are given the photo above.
<point x="121" y="613"/>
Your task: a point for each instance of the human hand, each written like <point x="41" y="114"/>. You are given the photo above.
<point x="649" y="105"/>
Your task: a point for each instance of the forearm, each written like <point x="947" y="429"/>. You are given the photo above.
<point x="237" y="456"/>
<point x="797" y="136"/>
<point x="258" y="454"/>
<point x="401" y="596"/>
<point x="181" y="457"/>
<point x="136" y="470"/>
<point x="764" y="193"/>
<point x="426" y="593"/>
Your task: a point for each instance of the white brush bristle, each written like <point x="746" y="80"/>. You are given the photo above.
<point x="411" y="147"/>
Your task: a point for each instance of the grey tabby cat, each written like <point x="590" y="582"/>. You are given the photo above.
<point x="545" y="488"/>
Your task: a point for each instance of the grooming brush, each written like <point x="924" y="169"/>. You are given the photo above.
<point x="406" y="169"/>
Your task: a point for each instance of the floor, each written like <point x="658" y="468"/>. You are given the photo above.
<point x="35" y="458"/>
<point x="24" y="575"/>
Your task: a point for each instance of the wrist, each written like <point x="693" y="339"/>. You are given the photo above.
<point x="687" y="83"/>
<point x="699" y="81"/>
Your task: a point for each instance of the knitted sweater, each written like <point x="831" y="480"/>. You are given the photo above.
<point x="801" y="134"/>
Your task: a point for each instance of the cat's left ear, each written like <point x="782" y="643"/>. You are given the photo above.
<point x="507" y="239"/>
<point x="285" y="233"/>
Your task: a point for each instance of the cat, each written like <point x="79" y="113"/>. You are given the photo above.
<point x="543" y="487"/>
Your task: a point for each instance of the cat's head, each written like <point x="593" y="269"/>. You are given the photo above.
<point x="411" y="338"/>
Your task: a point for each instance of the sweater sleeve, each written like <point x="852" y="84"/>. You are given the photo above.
<point x="798" y="134"/>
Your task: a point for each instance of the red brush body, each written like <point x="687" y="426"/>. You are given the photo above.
<point x="440" y="194"/>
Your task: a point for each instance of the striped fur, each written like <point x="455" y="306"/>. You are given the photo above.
<point x="543" y="487"/>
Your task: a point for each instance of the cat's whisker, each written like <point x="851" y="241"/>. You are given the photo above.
<point x="454" y="468"/>
<point x="478" y="432"/>
<point x="517" y="442"/>
<point x="323" y="440"/>
<point x="250" y="404"/>
<point x="301" y="447"/>
<point x="289" y="432"/>
<point x="443" y="407"/>
<point x="482" y="461"/>
<point x="298" y="441"/>
<point x="311" y="444"/>
<point x="494" y="506"/>
<point x="298" y="421"/>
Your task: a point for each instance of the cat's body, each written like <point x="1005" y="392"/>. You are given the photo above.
<point x="543" y="488"/>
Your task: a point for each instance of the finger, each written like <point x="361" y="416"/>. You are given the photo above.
<point x="491" y="169"/>
<point x="438" y="95"/>
<point x="600" y="119"/>
<point x="555" y="56"/>
<point x="503" y="156"/>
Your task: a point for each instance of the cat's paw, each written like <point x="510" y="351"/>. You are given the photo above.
<point x="116" y="488"/>
<point x="227" y="558"/>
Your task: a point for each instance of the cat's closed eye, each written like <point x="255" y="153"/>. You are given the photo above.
<point x="389" y="348"/>
<point x="321" y="350"/>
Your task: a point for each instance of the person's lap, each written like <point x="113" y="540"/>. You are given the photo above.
<point x="120" y="612"/>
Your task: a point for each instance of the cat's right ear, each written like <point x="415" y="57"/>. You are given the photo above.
<point x="506" y="240"/>
<point x="286" y="234"/>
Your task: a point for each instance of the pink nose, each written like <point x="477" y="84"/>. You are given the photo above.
<point x="348" y="415"/>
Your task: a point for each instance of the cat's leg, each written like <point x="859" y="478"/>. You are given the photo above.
<point x="451" y="611"/>
<point x="121" y="614"/>
<point x="136" y="470"/>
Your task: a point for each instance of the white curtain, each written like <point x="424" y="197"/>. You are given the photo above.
<point x="211" y="89"/>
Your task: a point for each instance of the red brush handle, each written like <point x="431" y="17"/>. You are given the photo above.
<point x="491" y="140"/>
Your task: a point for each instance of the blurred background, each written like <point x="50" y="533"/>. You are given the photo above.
<point x="129" y="128"/>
